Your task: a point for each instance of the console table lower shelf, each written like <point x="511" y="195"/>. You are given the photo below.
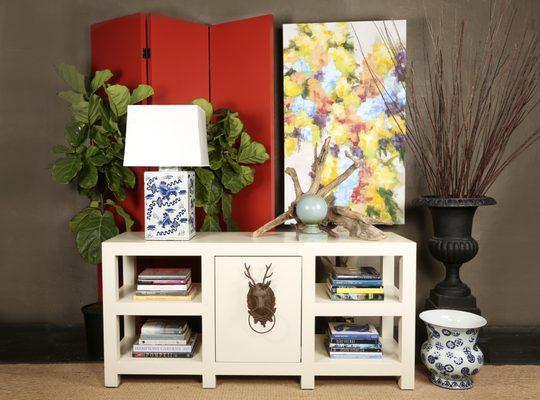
<point x="228" y="345"/>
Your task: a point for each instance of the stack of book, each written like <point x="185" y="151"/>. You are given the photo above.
<point x="347" y="340"/>
<point x="165" y="338"/>
<point x="165" y="284"/>
<point x="357" y="283"/>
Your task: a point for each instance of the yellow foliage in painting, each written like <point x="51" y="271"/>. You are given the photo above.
<point x="289" y="128"/>
<point x="290" y="145"/>
<point x="339" y="133"/>
<point x="351" y="99"/>
<point x="369" y="143"/>
<point x="343" y="60"/>
<point x="302" y="119"/>
<point x="343" y="87"/>
<point x="384" y="177"/>
<point x="291" y="89"/>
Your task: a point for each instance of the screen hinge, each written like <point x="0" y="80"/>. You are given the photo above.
<point x="146" y="52"/>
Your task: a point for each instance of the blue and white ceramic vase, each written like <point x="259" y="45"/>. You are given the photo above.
<point x="450" y="353"/>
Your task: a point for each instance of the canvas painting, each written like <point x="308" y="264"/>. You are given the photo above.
<point x="332" y="83"/>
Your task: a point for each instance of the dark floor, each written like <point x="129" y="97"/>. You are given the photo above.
<point x="41" y="343"/>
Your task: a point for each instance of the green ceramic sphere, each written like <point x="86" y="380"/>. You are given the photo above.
<point x="311" y="209"/>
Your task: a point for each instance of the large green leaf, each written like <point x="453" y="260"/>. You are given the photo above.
<point x="123" y="213"/>
<point x="226" y="206"/>
<point x="129" y="177"/>
<point x="77" y="221"/>
<point x="234" y="127"/>
<point x="251" y="152"/>
<point x="140" y="93"/>
<point x="58" y="148"/>
<point x="88" y="176"/>
<point x="99" y="136"/>
<point x="72" y="77"/>
<point x="80" y="111"/>
<point x="71" y="97"/>
<point x="94" y="104"/>
<point x="99" y="79"/>
<point x="236" y="180"/>
<point x="95" y="156"/>
<point x="75" y="133"/>
<point x="206" y="106"/>
<point x="94" y="230"/>
<point x="210" y="224"/>
<point x="205" y="177"/>
<point x="114" y="175"/>
<point x="119" y="99"/>
<point x="66" y="168"/>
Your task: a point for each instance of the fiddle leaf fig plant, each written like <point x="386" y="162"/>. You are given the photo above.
<point x="231" y="153"/>
<point x="93" y="152"/>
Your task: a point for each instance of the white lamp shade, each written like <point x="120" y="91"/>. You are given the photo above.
<point x="166" y="136"/>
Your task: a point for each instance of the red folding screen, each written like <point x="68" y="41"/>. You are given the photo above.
<point x="242" y="79"/>
<point x="231" y="64"/>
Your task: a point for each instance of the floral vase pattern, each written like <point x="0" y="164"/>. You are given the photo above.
<point x="451" y="354"/>
<point x="169" y="205"/>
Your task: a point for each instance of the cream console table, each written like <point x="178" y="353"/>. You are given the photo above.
<point x="229" y="346"/>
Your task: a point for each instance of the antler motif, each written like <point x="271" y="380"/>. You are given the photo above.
<point x="247" y="273"/>
<point x="266" y="274"/>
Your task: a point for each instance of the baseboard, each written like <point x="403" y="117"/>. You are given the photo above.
<point x="45" y="343"/>
<point x="42" y="343"/>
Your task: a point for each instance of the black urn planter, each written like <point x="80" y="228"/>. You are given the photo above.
<point x="453" y="245"/>
<point x="93" y="323"/>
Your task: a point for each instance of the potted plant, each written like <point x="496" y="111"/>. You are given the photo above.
<point x="231" y="153"/>
<point x="463" y="129"/>
<point x="91" y="161"/>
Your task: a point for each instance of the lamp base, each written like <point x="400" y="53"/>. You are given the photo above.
<point x="169" y="205"/>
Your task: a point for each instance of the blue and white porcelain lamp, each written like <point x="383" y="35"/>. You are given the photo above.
<point x="169" y="137"/>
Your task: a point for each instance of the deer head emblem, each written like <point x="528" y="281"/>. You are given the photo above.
<point x="261" y="300"/>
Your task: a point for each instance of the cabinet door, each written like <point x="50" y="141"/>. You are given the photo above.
<point x="241" y="336"/>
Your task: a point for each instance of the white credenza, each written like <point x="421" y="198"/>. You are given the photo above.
<point x="229" y="344"/>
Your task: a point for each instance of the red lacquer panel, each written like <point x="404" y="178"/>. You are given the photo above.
<point x="178" y="67"/>
<point x="117" y="45"/>
<point x="242" y="79"/>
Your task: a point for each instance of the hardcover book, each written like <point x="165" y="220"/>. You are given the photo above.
<point x="155" y="326"/>
<point x="166" y="348"/>
<point x="344" y="330"/>
<point x="354" y="296"/>
<point x="165" y="273"/>
<point x="356" y="273"/>
<point x="354" y="290"/>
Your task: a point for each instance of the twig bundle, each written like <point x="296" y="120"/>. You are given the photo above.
<point x="463" y="127"/>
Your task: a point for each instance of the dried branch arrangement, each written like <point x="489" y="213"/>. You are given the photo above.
<point x="358" y="225"/>
<point x="463" y="127"/>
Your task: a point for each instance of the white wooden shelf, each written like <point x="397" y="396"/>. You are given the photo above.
<point x="387" y="366"/>
<point x="126" y="305"/>
<point x="292" y="348"/>
<point x="129" y="365"/>
<point x="390" y="306"/>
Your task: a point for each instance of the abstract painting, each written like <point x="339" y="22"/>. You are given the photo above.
<point x="333" y="74"/>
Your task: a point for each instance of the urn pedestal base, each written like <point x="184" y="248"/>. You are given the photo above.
<point x="451" y="383"/>
<point x="439" y="301"/>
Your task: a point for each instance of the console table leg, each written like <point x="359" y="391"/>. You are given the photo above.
<point x="307" y="381"/>
<point x="111" y="379"/>
<point x="209" y="381"/>
<point x="406" y="381"/>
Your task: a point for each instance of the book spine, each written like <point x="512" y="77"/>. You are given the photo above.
<point x="360" y="283"/>
<point x="163" y="342"/>
<point x="354" y="346"/>
<point x="364" y="336"/>
<point x="162" y="281"/>
<point x="366" y="356"/>
<point x="357" y="290"/>
<point x="162" y="348"/>
<point x="161" y="355"/>
<point x="358" y="277"/>
<point x="165" y="288"/>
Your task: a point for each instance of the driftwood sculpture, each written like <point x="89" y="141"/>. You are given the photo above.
<point x="358" y="225"/>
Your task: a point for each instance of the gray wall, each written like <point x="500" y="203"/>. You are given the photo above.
<point x="42" y="276"/>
